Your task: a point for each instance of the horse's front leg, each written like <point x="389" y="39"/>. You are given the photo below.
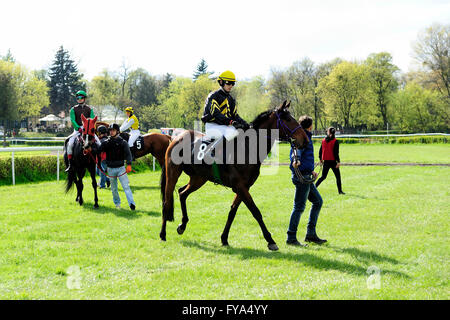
<point x="234" y="207"/>
<point x="80" y="175"/>
<point x="194" y="184"/>
<point x="244" y="194"/>
<point x="94" y="185"/>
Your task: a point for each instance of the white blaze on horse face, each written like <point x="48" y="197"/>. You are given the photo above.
<point x="86" y="140"/>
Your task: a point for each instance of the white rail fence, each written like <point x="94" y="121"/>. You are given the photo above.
<point x="59" y="151"/>
<point x="13" y="150"/>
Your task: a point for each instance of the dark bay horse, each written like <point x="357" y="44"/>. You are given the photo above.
<point x="239" y="177"/>
<point x="82" y="160"/>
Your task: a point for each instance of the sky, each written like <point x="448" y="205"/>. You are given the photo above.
<point x="247" y="37"/>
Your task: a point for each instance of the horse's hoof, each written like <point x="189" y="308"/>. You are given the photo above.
<point x="225" y="244"/>
<point x="273" y="247"/>
<point x="95" y="206"/>
<point x="80" y="202"/>
<point x="180" y="229"/>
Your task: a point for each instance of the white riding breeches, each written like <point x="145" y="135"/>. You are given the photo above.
<point x="217" y="131"/>
<point x="134" y="134"/>
<point x="72" y="138"/>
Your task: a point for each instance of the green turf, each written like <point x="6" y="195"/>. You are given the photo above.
<point x="384" y="153"/>
<point x="395" y="219"/>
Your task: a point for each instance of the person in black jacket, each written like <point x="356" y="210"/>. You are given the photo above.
<point x="104" y="180"/>
<point x="117" y="151"/>
<point x="329" y="157"/>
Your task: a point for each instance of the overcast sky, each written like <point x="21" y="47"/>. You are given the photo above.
<point x="247" y="37"/>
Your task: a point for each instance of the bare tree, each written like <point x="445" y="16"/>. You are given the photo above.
<point x="124" y="75"/>
<point x="432" y="50"/>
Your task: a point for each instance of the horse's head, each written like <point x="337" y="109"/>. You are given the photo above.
<point x="88" y="129"/>
<point x="290" y="130"/>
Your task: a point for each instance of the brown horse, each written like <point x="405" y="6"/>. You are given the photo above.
<point x="154" y="143"/>
<point x="239" y="177"/>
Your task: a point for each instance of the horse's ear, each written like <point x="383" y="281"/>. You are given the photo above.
<point x="83" y="118"/>
<point x="282" y="106"/>
<point x="287" y="105"/>
<point x="95" y="119"/>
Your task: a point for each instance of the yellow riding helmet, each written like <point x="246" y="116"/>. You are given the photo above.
<point x="227" y="76"/>
<point x="129" y="109"/>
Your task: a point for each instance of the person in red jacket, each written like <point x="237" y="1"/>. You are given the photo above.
<point x="329" y="157"/>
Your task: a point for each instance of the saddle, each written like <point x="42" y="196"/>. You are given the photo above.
<point x="204" y="152"/>
<point x="138" y="144"/>
<point x="209" y="151"/>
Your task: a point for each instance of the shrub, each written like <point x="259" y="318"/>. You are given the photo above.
<point x="43" y="168"/>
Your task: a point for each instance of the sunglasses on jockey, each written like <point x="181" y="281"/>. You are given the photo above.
<point x="230" y="83"/>
<point x="81" y="97"/>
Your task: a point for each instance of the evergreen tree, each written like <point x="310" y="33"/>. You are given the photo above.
<point x="9" y="57"/>
<point x="202" y="68"/>
<point x="65" y="81"/>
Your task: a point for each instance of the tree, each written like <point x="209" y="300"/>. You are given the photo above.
<point x="420" y="109"/>
<point x="382" y="77"/>
<point x="347" y="96"/>
<point x="104" y="90"/>
<point x="192" y="99"/>
<point x="278" y="86"/>
<point x="182" y="103"/>
<point x="301" y="86"/>
<point x="251" y="98"/>
<point x="22" y="94"/>
<point x="202" y="69"/>
<point x="432" y="50"/>
<point x="142" y="88"/>
<point x="169" y="100"/>
<point x="9" y="57"/>
<point x="65" y="81"/>
<point x="7" y="96"/>
<point x="124" y="75"/>
<point x="166" y="80"/>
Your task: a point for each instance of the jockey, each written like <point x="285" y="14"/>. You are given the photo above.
<point x="75" y="117"/>
<point x="131" y="123"/>
<point x="220" y="115"/>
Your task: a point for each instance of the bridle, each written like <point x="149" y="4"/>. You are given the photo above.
<point x="288" y="133"/>
<point x="288" y="136"/>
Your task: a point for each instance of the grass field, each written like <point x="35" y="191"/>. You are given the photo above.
<point x="392" y="219"/>
<point x="385" y="153"/>
<point x="416" y="153"/>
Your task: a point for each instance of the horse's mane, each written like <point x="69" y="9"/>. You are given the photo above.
<point x="261" y="118"/>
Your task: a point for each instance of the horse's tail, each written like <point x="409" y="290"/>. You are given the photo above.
<point x="71" y="179"/>
<point x="172" y="173"/>
<point x="162" y="182"/>
<point x="167" y="195"/>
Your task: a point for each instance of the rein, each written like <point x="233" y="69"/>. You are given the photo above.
<point x="288" y="134"/>
<point x="299" y="175"/>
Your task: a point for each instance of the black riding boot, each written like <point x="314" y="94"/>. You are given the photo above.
<point x="133" y="153"/>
